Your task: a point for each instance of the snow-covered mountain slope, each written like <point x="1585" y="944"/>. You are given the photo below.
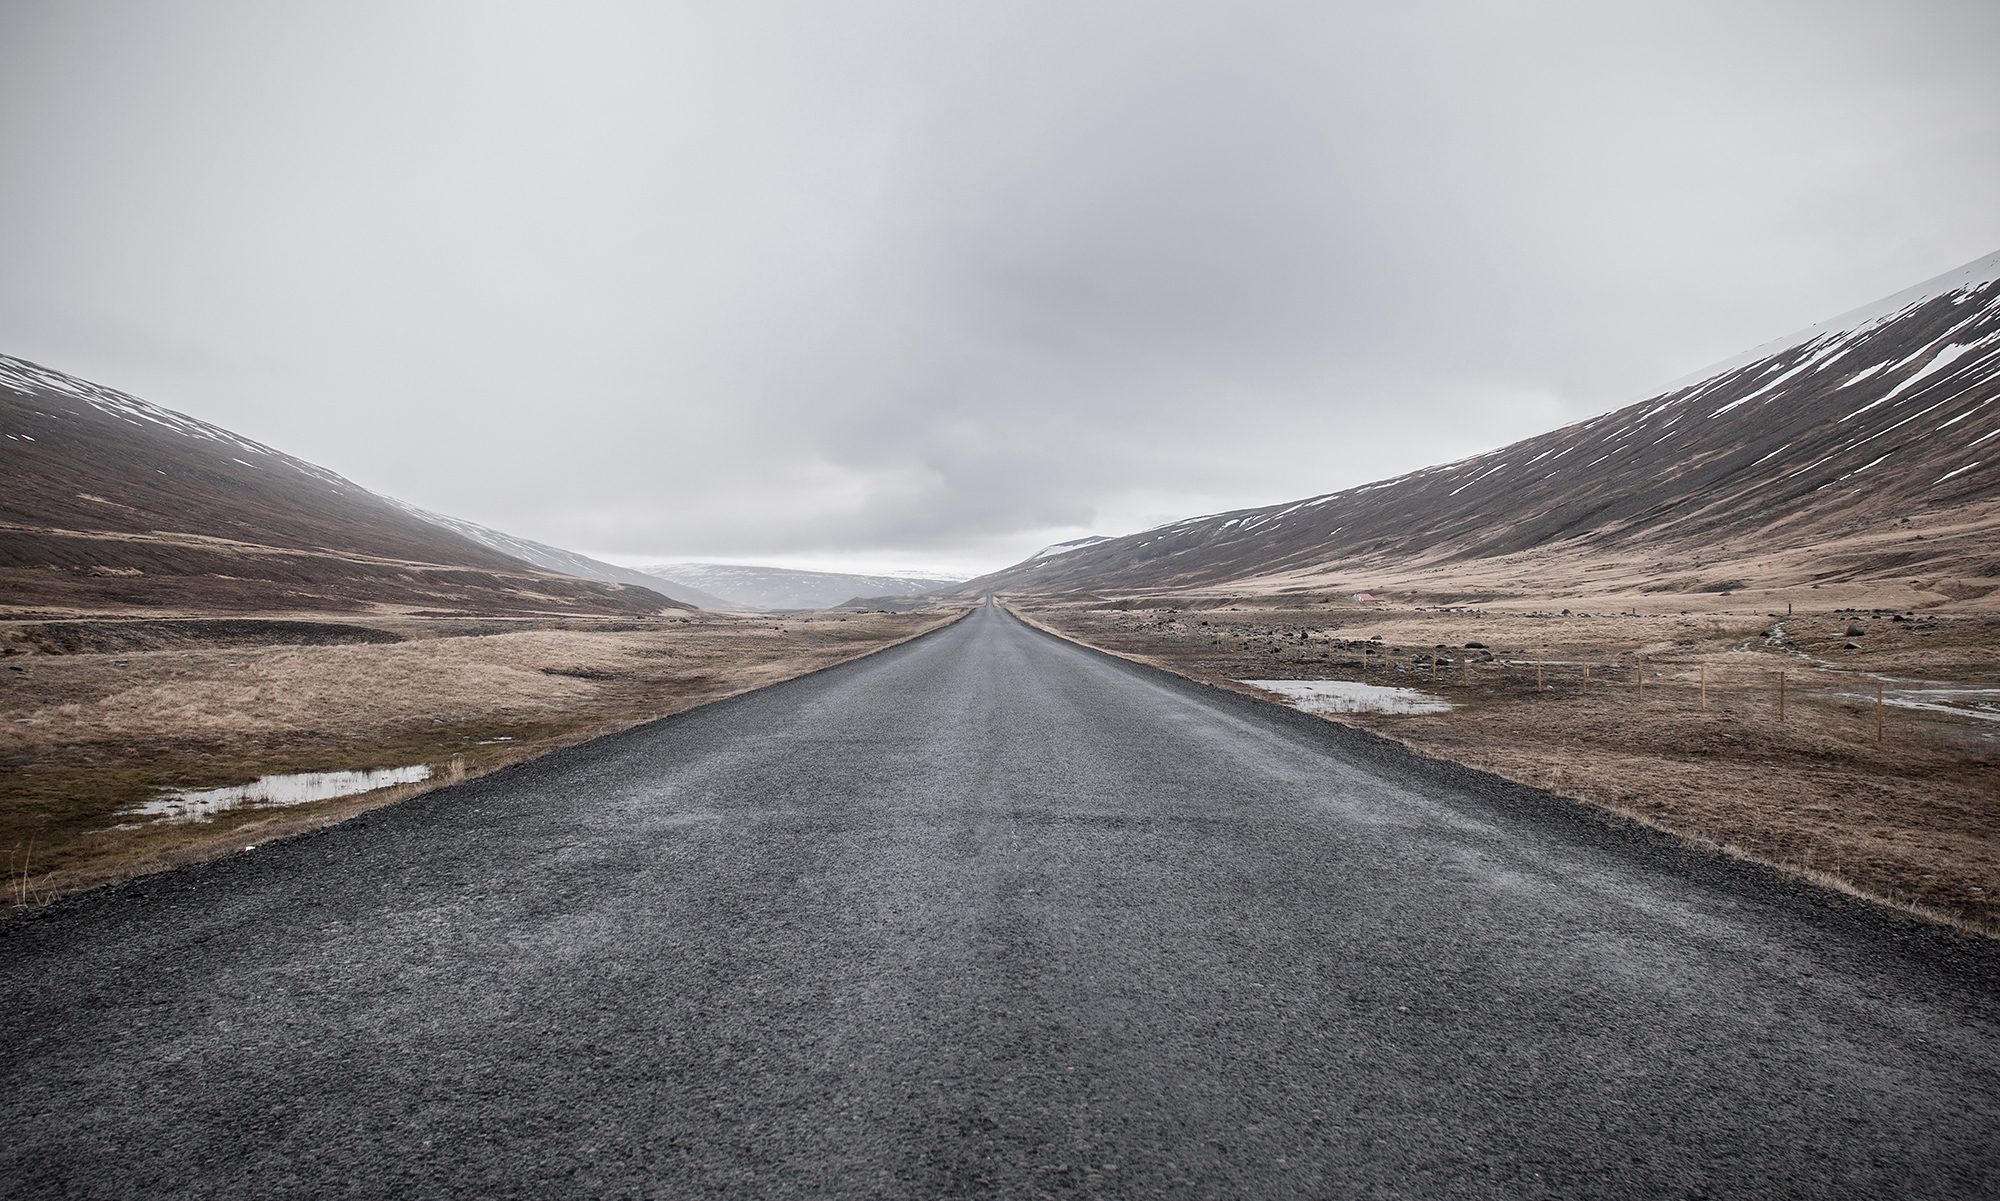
<point x="1866" y="447"/>
<point x="567" y="562"/>
<point x="24" y="381"/>
<point x="1855" y="322"/>
<point x="773" y="588"/>
<point x="113" y="501"/>
<point x="1063" y="548"/>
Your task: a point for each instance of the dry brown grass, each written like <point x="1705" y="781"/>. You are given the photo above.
<point x="1954" y="567"/>
<point x="84" y="736"/>
<point x="1913" y="820"/>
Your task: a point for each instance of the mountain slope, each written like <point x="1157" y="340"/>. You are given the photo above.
<point x="1860" y="449"/>
<point x="772" y="588"/>
<point x="1063" y="548"/>
<point x="114" y="502"/>
<point x="565" y="562"/>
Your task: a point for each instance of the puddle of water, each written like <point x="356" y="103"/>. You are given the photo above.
<point x="1980" y="704"/>
<point x="1346" y="696"/>
<point x="298" y="788"/>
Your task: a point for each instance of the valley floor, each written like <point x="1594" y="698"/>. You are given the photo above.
<point x="991" y="916"/>
<point x="1554" y="700"/>
<point x="101" y="715"/>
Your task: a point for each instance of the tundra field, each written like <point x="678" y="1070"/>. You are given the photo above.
<point x="1609" y="708"/>
<point x="101" y="715"/>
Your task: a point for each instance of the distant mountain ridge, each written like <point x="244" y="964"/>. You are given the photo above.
<point x="111" y="500"/>
<point x="1860" y="448"/>
<point x="555" y="558"/>
<point x="761" y="588"/>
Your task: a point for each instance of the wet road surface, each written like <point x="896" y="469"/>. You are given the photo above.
<point x="990" y="915"/>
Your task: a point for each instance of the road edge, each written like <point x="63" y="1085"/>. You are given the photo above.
<point x="310" y="825"/>
<point x="1812" y="885"/>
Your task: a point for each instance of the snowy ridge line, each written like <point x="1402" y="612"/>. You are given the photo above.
<point x="31" y="378"/>
<point x="506" y="544"/>
<point x="753" y="586"/>
<point x="1966" y="279"/>
<point x="1915" y="370"/>
<point x="1819" y="347"/>
<point x="1063" y="548"/>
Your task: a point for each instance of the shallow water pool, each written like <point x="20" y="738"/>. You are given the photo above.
<point x="1346" y="696"/>
<point x="296" y="788"/>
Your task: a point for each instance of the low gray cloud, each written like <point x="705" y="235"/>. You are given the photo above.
<point x="933" y="284"/>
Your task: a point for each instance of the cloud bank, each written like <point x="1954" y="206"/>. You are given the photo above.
<point x="932" y="285"/>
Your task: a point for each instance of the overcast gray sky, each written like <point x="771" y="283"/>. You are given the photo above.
<point x="933" y="284"/>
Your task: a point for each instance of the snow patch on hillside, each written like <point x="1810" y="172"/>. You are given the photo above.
<point x="1960" y="284"/>
<point x="1063" y="548"/>
<point x="32" y="379"/>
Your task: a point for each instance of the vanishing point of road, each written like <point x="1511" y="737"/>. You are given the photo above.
<point x="989" y="915"/>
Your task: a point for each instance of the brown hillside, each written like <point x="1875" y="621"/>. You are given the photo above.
<point x="1860" y="451"/>
<point x="111" y="502"/>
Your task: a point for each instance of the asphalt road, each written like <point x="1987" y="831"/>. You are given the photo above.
<point x="990" y="915"/>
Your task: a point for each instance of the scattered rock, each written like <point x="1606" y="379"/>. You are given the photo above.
<point x="1854" y="630"/>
